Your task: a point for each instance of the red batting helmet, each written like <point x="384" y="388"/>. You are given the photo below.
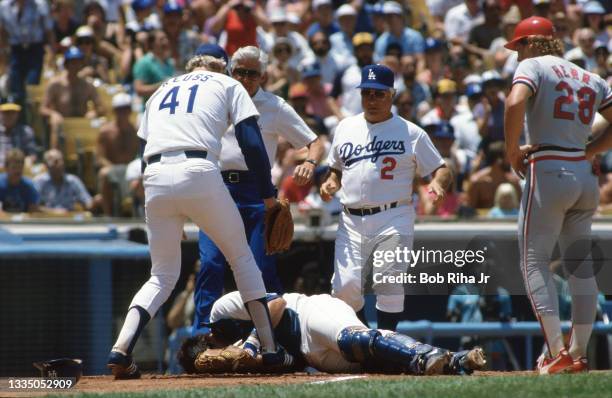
<point x="532" y="26"/>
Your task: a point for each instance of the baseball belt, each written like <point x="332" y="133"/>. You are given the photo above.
<point x="190" y="154"/>
<point x="368" y="211"/>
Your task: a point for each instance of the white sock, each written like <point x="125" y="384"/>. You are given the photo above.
<point x="258" y="309"/>
<point x="580" y="340"/>
<point x="133" y="325"/>
<point x="552" y="334"/>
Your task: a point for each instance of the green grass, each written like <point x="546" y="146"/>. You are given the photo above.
<point x="574" y="386"/>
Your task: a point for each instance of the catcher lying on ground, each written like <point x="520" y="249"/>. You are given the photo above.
<point x="318" y="331"/>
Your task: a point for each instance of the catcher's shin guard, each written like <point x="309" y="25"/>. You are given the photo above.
<point x="356" y="343"/>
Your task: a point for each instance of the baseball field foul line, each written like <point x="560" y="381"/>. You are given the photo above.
<point x="335" y="379"/>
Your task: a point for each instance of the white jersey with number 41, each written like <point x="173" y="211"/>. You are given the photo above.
<point x="564" y="102"/>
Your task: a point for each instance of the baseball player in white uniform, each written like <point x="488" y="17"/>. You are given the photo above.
<point x="277" y="119"/>
<point x="182" y="127"/>
<point x="373" y="160"/>
<point x="559" y="100"/>
<point x="324" y="332"/>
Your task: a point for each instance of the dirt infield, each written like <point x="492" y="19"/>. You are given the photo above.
<point x="150" y="382"/>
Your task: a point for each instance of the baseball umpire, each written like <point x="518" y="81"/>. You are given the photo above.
<point x="374" y="158"/>
<point x="559" y="100"/>
<point x="181" y="129"/>
<point x="277" y="119"/>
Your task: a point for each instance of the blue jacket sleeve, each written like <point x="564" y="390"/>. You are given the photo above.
<point x="252" y="147"/>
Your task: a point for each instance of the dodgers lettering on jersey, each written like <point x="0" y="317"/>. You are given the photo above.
<point x="379" y="161"/>
<point x="564" y="102"/>
<point x="193" y="111"/>
<point x="277" y="119"/>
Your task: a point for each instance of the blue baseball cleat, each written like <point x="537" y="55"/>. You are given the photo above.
<point x="122" y="366"/>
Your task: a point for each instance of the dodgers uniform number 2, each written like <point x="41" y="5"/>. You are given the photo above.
<point x="385" y="172"/>
<point x="171" y="102"/>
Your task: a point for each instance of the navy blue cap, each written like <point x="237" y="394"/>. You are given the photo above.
<point x="73" y="53"/>
<point x="377" y="77"/>
<point x="213" y="50"/>
<point x="432" y="44"/>
<point x="172" y="6"/>
<point x="310" y="70"/>
<point x="473" y="89"/>
<point x="138" y="5"/>
<point x="441" y="130"/>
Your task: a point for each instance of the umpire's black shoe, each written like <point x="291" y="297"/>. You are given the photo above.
<point x="122" y="366"/>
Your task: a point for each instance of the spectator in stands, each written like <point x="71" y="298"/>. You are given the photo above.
<point x="154" y="68"/>
<point x="562" y="30"/>
<point x="506" y="202"/>
<point x="117" y="146"/>
<point x="434" y="62"/>
<point x="17" y="193"/>
<point x="419" y="92"/>
<point x="482" y="35"/>
<point x="331" y="64"/>
<point x="94" y="15"/>
<point x="15" y="135"/>
<point x="345" y="89"/>
<point x="94" y="66"/>
<point x="585" y="52"/>
<point x="26" y="26"/>
<point x="68" y="95"/>
<point x="64" y="23"/>
<point x="280" y="28"/>
<point x="442" y="135"/>
<point x="133" y="177"/>
<point x="404" y="105"/>
<point x="298" y="98"/>
<point x="319" y="101"/>
<point x="143" y="16"/>
<point x="60" y="192"/>
<point x="410" y="41"/>
<point x="280" y="73"/>
<point x="497" y="50"/>
<point x="594" y="14"/>
<point x="342" y="41"/>
<point x="489" y="113"/>
<point x="183" y="42"/>
<point x="323" y="13"/>
<point x="239" y="19"/>
<point x="460" y="20"/>
<point x="542" y="8"/>
<point x="484" y="183"/>
<point x="445" y="104"/>
<point x="467" y="136"/>
<point x="604" y="63"/>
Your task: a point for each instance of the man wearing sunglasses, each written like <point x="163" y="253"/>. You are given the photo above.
<point x="277" y="120"/>
<point x="374" y="159"/>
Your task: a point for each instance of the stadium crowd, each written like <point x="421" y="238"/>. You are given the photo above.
<point x="75" y="74"/>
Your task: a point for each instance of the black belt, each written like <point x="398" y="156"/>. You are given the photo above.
<point x="237" y="176"/>
<point x="368" y="211"/>
<point x="189" y="154"/>
<point x="556" y="148"/>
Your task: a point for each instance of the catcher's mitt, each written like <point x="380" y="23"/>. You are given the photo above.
<point x="230" y="359"/>
<point x="278" y="232"/>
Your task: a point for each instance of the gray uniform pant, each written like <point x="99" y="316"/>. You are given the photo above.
<point x="557" y="206"/>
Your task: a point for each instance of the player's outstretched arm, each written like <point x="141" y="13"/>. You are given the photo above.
<point x="251" y="144"/>
<point x="513" y="127"/>
<point x="442" y="179"/>
<point x="332" y="184"/>
<point x="602" y="142"/>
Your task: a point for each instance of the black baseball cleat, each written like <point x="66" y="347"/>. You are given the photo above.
<point x="122" y="366"/>
<point x="467" y="361"/>
<point x="434" y="362"/>
<point x="280" y="358"/>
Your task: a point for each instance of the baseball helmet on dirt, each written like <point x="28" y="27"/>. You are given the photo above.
<point x="63" y="367"/>
<point x="532" y="26"/>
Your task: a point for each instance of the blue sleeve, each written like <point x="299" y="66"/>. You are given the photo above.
<point x="32" y="196"/>
<point x="252" y="147"/>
